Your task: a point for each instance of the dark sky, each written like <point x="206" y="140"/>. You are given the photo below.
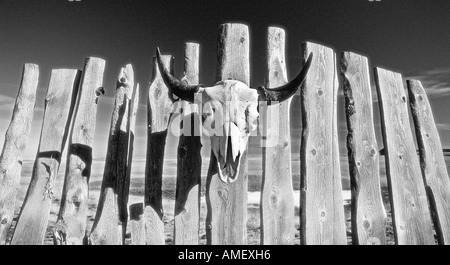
<point x="411" y="37"/>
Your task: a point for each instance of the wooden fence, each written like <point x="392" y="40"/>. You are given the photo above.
<point x="419" y="185"/>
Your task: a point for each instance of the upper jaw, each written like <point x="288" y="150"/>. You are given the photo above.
<point x="228" y="152"/>
<point x="229" y="171"/>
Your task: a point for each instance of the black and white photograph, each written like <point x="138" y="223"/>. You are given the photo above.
<point x="245" y="125"/>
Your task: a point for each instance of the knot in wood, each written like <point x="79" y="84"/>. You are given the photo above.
<point x="322" y="215"/>
<point x="182" y="152"/>
<point x="274" y="200"/>
<point x="222" y="194"/>
<point x="366" y="225"/>
<point x="157" y="93"/>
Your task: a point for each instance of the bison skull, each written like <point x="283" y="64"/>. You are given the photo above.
<point x="230" y="113"/>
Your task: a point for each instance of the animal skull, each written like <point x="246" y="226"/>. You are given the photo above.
<point x="233" y="109"/>
<point x="230" y="113"/>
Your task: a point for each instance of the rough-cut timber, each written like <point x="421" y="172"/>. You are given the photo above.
<point x="277" y="198"/>
<point x="410" y="212"/>
<point x="59" y="104"/>
<point x="137" y="225"/>
<point x="189" y="163"/>
<point x="132" y="128"/>
<point x="434" y="170"/>
<point x="112" y="212"/>
<point x="227" y="202"/>
<point x="70" y="228"/>
<point x="368" y="214"/>
<point x="136" y="210"/>
<point x="16" y="138"/>
<point x="322" y="219"/>
<point x="159" y="108"/>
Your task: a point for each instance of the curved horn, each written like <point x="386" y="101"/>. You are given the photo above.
<point x="284" y="92"/>
<point x="180" y="89"/>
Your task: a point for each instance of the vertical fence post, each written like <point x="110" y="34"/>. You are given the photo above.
<point x="159" y="108"/>
<point x="227" y="202"/>
<point x="322" y="218"/>
<point x="368" y="214"/>
<point x="432" y="161"/>
<point x="70" y="228"/>
<point x="136" y="210"/>
<point x="111" y="218"/>
<point x="16" y="138"/>
<point x="277" y="198"/>
<point x="410" y="213"/>
<point x="189" y="160"/>
<point x="59" y="103"/>
<point x="133" y="113"/>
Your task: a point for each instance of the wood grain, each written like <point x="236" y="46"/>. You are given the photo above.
<point x="136" y="210"/>
<point x="277" y="197"/>
<point x="59" y="104"/>
<point x="134" y="107"/>
<point x="110" y="222"/>
<point x="70" y="228"/>
<point x="137" y="224"/>
<point x="322" y="211"/>
<point x="189" y="160"/>
<point x="227" y="202"/>
<point x="410" y="213"/>
<point x="432" y="161"/>
<point x="159" y="109"/>
<point x="368" y="213"/>
<point x="16" y="138"/>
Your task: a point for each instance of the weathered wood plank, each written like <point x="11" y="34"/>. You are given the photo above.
<point x="322" y="212"/>
<point x="189" y="160"/>
<point x="16" y="138"/>
<point x="110" y="222"/>
<point x="70" y="228"/>
<point x="410" y="213"/>
<point x="137" y="225"/>
<point x="133" y="113"/>
<point x="226" y="221"/>
<point x="432" y="161"/>
<point x="368" y="214"/>
<point x="59" y="104"/>
<point x="277" y="197"/>
<point x="159" y="108"/>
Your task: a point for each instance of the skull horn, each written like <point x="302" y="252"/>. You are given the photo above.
<point x="284" y="92"/>
<point x="180" y="89"/>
